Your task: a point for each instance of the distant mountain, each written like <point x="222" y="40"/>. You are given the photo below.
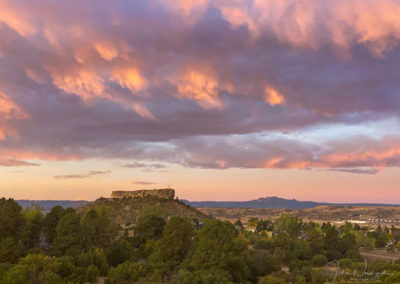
<point x="274" y="202"/>
<point x="264" y="202"/>
<point x="48" y="204"/>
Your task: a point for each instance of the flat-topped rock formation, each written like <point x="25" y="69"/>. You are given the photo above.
<point x="166" y="193"/>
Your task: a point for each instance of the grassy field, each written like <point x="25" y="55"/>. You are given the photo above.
<point x="379" y="254"/>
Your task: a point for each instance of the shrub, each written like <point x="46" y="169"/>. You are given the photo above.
<point x="319" y="260"/>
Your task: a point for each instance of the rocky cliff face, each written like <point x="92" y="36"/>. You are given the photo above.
<point x="166" y="193"/>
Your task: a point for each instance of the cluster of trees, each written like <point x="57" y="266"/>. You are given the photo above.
<point x="63" y="246"/>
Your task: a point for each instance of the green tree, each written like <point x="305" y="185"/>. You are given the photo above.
<point x="68" y="240"/>
<point x="319" y="260"/>
<point x="208" y="276"/>
<point x="395" y="278"/>
<point x="33" y="226"/>
<point x="289" y="225"/>
<point x="348" y="245"/>
<point x="331" y="241"/>
<point x="35" y="269"/>
<point x="262" y="263"/>
<point x="11" y="219"/>
<point x="382" y="240"/>
<point x="10" y="251"/>
<point x="50" y="223"/>
<point x="92" y="272"/>
<point x="263" y="225"/>
<point x="217" y="246"/>
<point x="314" y="237"/>
<point x="90" y="228"/>
<point x="127" y="273"/>
<point x="363" y="240"/>
<point x="176" y="241"/>
<point x="239" y="224"/>
<point x="98" y="228"/>
<point x="270" y="279"/>
<point x="120" y="252"/>
<point x="149" y="227"/>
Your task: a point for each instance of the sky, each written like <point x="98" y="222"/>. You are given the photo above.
<point x="221" y="100"/>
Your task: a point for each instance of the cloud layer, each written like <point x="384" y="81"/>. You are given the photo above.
<point x="199" y="83"/>
<point x="79" y="176"/>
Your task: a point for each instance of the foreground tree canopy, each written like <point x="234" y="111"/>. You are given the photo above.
<point x="66" y="246"/>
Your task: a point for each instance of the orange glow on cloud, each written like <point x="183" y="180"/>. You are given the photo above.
<point x="199" y="86"/>
<point x="89" y="85"/>
<point x="143" y="111"/>
<point x="83" y="83"/>
<point x="273" y="97"/>
<point x="12" y="154"/>
<point x="107" y="51"/>
<point x="86" y="66"/>
<point x="272" y="163"/>
<point x="9" y="110"/>
<point x="129" y="78"/>
<point x="376" y="158"/>
<point x="372" y="22"/>
<point x="15" y="20"/>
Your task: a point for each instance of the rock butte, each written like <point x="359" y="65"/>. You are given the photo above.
<point x="166" y="193"/>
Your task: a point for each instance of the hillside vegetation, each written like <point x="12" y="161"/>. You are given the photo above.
<point x="126" y="210"/>
<point x="372" y="215"/>
<point x="65" y="247"/>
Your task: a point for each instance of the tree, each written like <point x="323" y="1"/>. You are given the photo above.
<point x="10" y="251"/>
<point x="68" y="240"/>
<point x="239" y="224"/>
<point x="319" y="260"/>
<point x="92" y="273"/>
<point x="364" y="240"/>
<point x="11" y="219"/>
<point x="253" y="222"/>
<point x="34" y="269"/>
<point x="149" y="227"/>
<point x="331" y="241"/>
<point x="90" y="228"/>
<point x="263" y="225"/>
<point x="176" y="241"/>
<point x="214" y="244"/>
<point x="213" y="275"/>
<point x="348" y="245"/>
<point x="262" y="263"/>
<point x="120" y="252"/>
<point x="50" y="223"/>
<point x="33" y="226"/>
<point x="98" y="228"/>
<point x="382" y="240"/>
<point x="270" y="279"/>
<point x="288" y="225"/>
<point x="217" y="246"/>
<point x="314" y="237"/>
<point x="127" y="272"/>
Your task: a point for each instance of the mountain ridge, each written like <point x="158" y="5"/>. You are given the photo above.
<point x="262" y="202"/>
<point x="274" y="202"/>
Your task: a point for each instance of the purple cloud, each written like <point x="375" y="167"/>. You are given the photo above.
<point x="202" y="84"/>
<point x="79" y="176"/>
<point x="143" y="183"/>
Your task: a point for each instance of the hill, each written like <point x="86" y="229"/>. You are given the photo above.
<point x="368" y="215"/>
<point x="126" y="210"/>
<point x="46" y="205"/>
<point x="264" y="202"/>
<point x="277" y="202"/>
